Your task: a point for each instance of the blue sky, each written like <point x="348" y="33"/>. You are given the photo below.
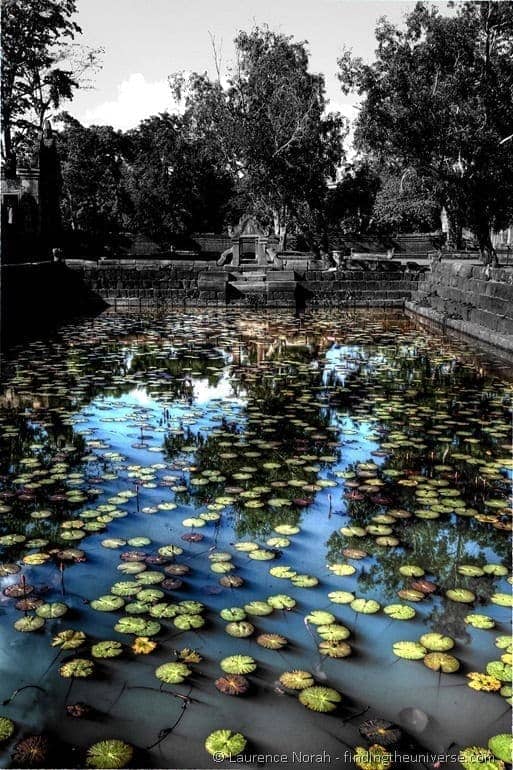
<point x="146" y="40"/>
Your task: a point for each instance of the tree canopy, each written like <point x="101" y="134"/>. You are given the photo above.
<point x="269" y="125"/>
<point x="437" y="99"/>
<point x="41" y="67"/>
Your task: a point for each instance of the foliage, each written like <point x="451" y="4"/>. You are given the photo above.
<point x="502" y="747"/>
<point x="94" y="197"/>
<point x="479" y="758"/>
<point x="224" y="744"/>
<point x="172" y="673"/>
<point x="77" y="668"/>
<point x="177" y="183"/>
<point x="109" y="754"/>
<point x="349" y="205"/>
<point x="41" y="65"/>
<point x="270" y="127"/>
<point x="438" y="99"/>
<point x="375" y="757"/>
<point x="322" y="699"/>
<point x="6" y="729"/>
<point x="405" y="204"/>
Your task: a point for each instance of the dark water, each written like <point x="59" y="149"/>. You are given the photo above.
<point x="355" y="429"/>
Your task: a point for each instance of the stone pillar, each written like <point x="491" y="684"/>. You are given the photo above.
<point x="261" y="252"/>
<point x="236" y="254"/>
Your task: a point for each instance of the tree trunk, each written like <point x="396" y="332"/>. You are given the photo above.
<point x="280" y="226"/>
<point x="488" y="253"/>
<point x="283" y="237"/>
<point x="454" y="234"/>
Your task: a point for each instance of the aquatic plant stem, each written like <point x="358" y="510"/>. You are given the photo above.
<point x="20" y="689"/>
<point x="163" y="734"/>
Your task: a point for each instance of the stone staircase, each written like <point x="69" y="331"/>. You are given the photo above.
<point x="270" y="287"/>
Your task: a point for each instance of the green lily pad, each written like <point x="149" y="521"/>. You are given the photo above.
<point x="499" y="670"/>
<point x="240" y="629"/>
<point x="436" y="642"/>
<point x="224" y="744"/>
<point x="365" y="606"/>
<point x="49" y="611"/>
<point x="320" y="618"/>
<point x="441" y="661"/>
<point x="479" y="758"/>
<point x="109" y="754"/>
<point x="321" y="699"/>
<point x="238" y="664"/>
<point x="6" y="729"/>
<point x="107" y="649"/>
<point x="29" y="623"/>
<point x="409" y="650"/>
<point x="399" y="611"/>
<point x="172" y="673"/>
<point x="502" y="746"/>
<point x="462" y="595"/>
<point x="480" y="621"/>
<point x="281" y="602"/>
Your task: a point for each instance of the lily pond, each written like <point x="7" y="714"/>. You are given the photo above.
<point x="272" y="540"/>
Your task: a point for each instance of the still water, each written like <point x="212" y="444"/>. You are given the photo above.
<point x="310" y="493"/>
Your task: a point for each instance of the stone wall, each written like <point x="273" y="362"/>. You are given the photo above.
<point x="142" y="284"/>
<point x="36" y="297"/>
<point x="365" y="287"/>
<point x="468" y="298"/>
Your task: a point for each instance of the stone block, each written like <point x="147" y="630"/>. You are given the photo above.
<point x="483" y="318"/>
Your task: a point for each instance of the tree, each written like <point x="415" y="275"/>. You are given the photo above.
<point x="405" y="204"/>
<point x="41" y="67"/>
<point x="438" y="99"/>
<point x="350" y="203"/>
<point x="270" y="127"/>
<point x="175" y="180"/>
<point x="94" y="196"/>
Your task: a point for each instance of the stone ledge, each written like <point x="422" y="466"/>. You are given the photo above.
<point x="469" y="329"/>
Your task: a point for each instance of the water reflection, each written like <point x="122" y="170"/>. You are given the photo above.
<point x="340" y="448"/>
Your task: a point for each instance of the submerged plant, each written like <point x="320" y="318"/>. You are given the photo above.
<point x="379" y="730"/>
<point x="31" y="751"/>
<point x="232" y="684"/>
<point x="109" y="754"/>
<point x="78" y="710"/>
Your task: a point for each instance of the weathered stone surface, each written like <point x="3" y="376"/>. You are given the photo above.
<point x="473" y="299"/>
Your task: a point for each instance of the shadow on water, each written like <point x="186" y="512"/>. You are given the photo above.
<point x="162" y="477"/>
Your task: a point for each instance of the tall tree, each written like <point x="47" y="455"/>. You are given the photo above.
<point x="41" y="66"/>
<point x="94" y="196"/>
<point x="270" y="126"/>
<point x="438" y="99"/>
<point x="175" y="180"/>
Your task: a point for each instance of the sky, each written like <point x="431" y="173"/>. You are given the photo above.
<point x="147" y="40"/>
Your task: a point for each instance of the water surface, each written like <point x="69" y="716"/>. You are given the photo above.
<point x="379" y="447"/>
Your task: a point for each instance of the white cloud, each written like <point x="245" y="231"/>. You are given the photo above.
<point x="136" y="99"/>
